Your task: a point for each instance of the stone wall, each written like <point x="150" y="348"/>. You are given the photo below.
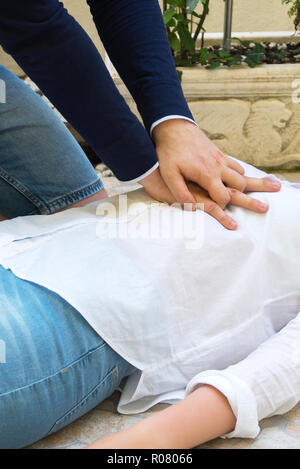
<point x="252" y="114"/>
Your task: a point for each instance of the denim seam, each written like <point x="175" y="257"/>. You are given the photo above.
<point x="63" y="370"/>
<point x="20" y="188"/>
<point x="75" y="196"/>
<point x="114" y="373"/>
<point x="46" y="208"/>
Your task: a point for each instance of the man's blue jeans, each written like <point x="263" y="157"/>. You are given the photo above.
<point x="42" y="167"/>
<point x="53" y="366"/>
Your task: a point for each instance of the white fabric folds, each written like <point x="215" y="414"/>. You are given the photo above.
<point x="173" y="292"/>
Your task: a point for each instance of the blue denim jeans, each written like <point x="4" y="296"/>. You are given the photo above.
<point x="42" y="167"/>
<point x="53" y="366"/>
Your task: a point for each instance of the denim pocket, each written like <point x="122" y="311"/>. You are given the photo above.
<point x="99" y="393"/>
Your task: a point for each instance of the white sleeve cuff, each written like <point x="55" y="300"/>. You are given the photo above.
<point x="142" y="176"/>
<point x="137" y="179"/>
<point x="240" y="398"/>
<point x="159" y="121"/>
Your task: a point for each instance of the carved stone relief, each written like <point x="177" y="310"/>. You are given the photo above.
<point x="265" y="132"/>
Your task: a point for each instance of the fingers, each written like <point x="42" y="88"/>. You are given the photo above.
<point x="262" y="185"/>
<point x="216" y="212"/>
<point x="237" y="198"/>
<point x="234" y="180"/>
<point x="211" y="207"/>
<point x="180" y="191"/>
<point x="245" y="201"/>
<point x="234" y="165"/>
<point x="218" y="192"/>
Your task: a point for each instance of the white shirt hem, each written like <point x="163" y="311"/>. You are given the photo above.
<point x="142" y="176"/>
<point x="163" y="119"/>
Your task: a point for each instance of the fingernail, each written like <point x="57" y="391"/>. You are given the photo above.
<point x="275" y="184"/>
<point x="232" y="224"/>
<point x="262" y="206"/>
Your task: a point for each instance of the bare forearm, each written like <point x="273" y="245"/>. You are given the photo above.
<point x="202" y="416"/>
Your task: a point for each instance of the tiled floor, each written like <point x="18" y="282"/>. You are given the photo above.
<point x="277" y="432"/>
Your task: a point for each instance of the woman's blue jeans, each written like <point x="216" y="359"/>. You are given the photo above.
<point x="53" y="366"/>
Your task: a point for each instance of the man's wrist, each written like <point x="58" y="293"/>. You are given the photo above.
<point x="170" y="125"/>
<point x="150" y="179"/>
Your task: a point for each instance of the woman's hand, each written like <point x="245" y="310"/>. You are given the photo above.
<point x="185" y="153"/>
<point x="156" y="188"/>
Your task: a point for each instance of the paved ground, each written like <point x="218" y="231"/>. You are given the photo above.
<point x="277" y="432"/>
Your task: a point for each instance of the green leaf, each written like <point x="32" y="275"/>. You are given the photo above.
<point x="211" y="55"/>
<point x="179" y="16"/>
<point x="234" y="59"/>
<point x="186" y="38"/>
<point x="172" y="23"/>
<point x="203" y="56"/>
<point x="256" y="57"/>
<point x="250" y="62"/>
<point x="174" y="42"/>
<point x="168" y="15"/>
<point x="244" y="43"/>
<point x="224" y="54"/>
<point x="279" y="54"/>
<point x="176" y="3"/>
<point x="214" y="65"/>
<point x="180" y="73"/>
<point x="258" y="48"/>
<point x="182" y="62"/>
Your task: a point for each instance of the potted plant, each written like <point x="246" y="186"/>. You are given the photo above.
<point x="247" y="99"/>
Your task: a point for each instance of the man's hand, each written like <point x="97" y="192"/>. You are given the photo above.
<point x="185" y="153"/>
<point x="156" y="188"/>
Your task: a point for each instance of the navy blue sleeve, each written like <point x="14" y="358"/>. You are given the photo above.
<point x="60" y="58"/>
<point x="134" y="36"/>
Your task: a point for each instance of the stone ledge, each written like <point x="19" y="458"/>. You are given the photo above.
<point x="252" y="114"/>
<point x="241" y="81"/>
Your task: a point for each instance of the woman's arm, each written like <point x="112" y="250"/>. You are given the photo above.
<point x="203" y="415"/>
<point x="265" y="383"/>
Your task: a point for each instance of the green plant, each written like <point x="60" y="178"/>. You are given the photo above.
<point x="252" y="56"/>
<point x="294" y="11"/>
<point x="249" y="53"/>
<point x="184" y="26"/>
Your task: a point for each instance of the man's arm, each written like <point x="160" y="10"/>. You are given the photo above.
<point x="59" y="56"/>
<point x="134" y="36"/>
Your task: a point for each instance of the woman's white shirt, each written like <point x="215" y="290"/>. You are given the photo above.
<point x="172" y="292"/>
